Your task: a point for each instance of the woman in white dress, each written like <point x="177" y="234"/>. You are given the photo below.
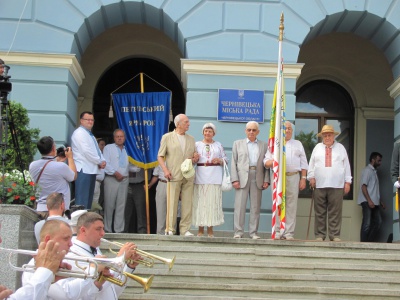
<point x="207" y="199"/>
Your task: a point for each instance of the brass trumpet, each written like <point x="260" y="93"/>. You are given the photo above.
<point x="68" y="273"/>
<point x="149" y="262"/>
<point x="117" y="265"/>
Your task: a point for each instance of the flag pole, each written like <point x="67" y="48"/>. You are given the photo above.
<point x="276" y="142"/>
<point x="146" y="175"/>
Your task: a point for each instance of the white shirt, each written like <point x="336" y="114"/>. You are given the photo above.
<point x="158" y="171"/>
<point x="252" y="147"/>
<point x="207" y="152"/>
<point x="37" y="286"/>
<point x="296" y="159"/>
<point x="86" y="156"/>
<point x="68" y="288"/>
<point x="109" y="291"/>
<point x="329" y="177"/>
<point x="117" y="160"/>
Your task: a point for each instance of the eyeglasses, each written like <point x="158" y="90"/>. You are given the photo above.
<point x="253" y="130"/>
<point x="89" y="120"/>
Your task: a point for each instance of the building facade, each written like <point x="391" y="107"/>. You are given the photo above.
<point x="342" y="67"/>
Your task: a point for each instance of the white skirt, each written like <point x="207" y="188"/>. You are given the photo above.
<point x="207" y="205"/>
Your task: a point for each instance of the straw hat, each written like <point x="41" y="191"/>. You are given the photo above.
<point x="327" y="129"/>
<point x="187" y="168"/>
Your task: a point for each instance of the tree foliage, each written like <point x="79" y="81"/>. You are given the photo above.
<point x="309" y="140"/>
<point x="24" y="135"/>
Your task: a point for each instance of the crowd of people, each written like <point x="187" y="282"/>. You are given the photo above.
<point x="192" y="172"/>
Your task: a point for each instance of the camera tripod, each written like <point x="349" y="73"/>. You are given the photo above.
<point x="7" y="126"/>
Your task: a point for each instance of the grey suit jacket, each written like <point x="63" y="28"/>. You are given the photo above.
<point x="240" y="163"/>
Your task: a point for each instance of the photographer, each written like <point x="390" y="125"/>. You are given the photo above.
<point x="51" y="174"/>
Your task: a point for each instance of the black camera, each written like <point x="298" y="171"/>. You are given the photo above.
<point x="5" y="84"/>
<point x="61" y="151"/>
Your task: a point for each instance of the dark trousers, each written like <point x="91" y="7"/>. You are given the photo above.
<point x="135" y="209"/>
<point x="84" y="189"/>
<point x="371" y="222"/>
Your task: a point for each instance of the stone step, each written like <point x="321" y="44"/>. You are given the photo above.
<point x="227" y="268"/>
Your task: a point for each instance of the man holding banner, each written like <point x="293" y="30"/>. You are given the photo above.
<point x="175" y="148"/>
<point x="296" y="162"/>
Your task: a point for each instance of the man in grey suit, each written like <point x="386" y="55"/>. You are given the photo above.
<point x="249" y="178"/>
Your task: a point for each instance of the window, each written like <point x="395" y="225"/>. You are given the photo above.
<point x="324" y="102"/>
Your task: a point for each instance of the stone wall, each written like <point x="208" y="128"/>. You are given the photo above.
<point x="17" y="224"/>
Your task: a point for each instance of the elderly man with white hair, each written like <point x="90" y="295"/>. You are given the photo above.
<point x="175" y="148"/>
<point x="296" y="163"/>
<point x="329" y="173"/>
<point x="249" y="178"/>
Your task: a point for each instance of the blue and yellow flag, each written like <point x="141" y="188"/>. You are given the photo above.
<point x="276" y="145"/>
<point x="145" y="118"/>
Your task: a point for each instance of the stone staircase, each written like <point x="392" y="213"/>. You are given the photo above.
<point x="227" y="268"/>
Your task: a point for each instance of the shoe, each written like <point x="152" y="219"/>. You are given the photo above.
<point x="255" y="237"/>
<point x="319" y="239"/>
<point x="200" y="234"/>
<point x="336" y="239"/>
<point x="289" y="238"/>
<point x="188" y="233"/>
<point x="96" y="206"/>
<point x="169" y="233"/>
<point x="210" y="235"/>
<point x="237" y="236"/>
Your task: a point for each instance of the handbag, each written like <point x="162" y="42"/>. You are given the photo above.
<point x="226" y="184"/>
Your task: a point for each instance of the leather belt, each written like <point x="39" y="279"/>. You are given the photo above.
<point x="208" y="165"/>
<point x="252" y="168"/>
<point x="291" y="173"/>
<point x="142" y="182"/>
<point x="162" y="180"/>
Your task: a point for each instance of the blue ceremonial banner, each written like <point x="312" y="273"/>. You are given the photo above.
<point x="145" y="118"/>
<point x="240" y="105"/>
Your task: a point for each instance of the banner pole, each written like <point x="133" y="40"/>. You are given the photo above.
<point x="146" y="175"/>
<point x="146" y="182"/>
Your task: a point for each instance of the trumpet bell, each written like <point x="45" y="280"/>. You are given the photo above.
<point x="144" y="282"/>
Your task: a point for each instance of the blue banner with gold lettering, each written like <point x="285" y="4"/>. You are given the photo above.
<point x="145" y="118"/>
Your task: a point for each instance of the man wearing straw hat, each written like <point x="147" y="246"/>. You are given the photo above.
<point x="329" y="173"/>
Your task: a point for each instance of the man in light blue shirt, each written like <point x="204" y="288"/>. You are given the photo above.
<point x="116" y="183"/>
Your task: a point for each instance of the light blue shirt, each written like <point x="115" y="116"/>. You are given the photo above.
<point x="252" y="147"/>
<point x="117" y="160"/>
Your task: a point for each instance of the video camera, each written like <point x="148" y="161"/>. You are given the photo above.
<point x="61" y="151"/>
<point x="5" y="84"/>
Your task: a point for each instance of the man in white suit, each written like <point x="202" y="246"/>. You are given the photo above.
<point x="249" y="178"/>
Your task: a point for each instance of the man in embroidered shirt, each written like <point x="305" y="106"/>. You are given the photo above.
<point x="55" y="176"/>
<point x="249" y="178"/>
<point x="88" y="159"/>
<point x="369" y="198"/>
<point x="296" y="163"/>
<point x="90" y="232"/>
<point x="329" y="173"/>
<point x="116" y="183"/>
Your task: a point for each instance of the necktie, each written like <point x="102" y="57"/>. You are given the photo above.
<point x="95" y="143"/>
<point x="94" y="250"/>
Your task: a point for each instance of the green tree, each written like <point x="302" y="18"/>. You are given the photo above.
<point x="309" y="140"/>
<point x="24" y="135"/>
